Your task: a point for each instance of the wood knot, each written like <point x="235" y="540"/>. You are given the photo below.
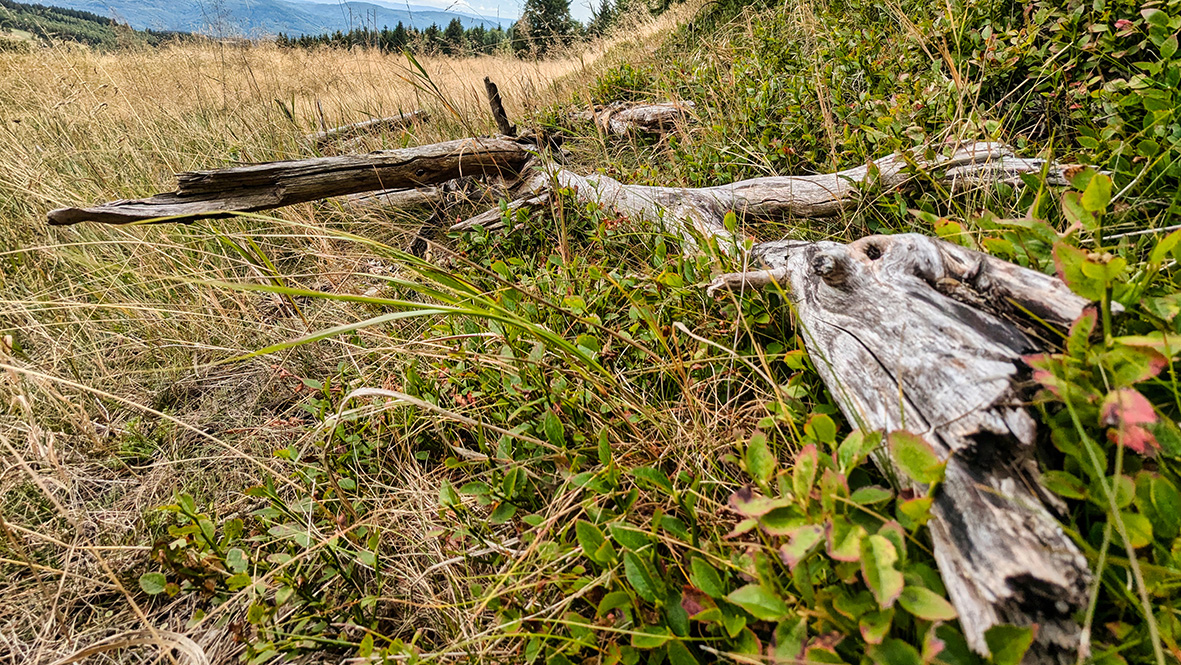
<point x="832" y="268"/>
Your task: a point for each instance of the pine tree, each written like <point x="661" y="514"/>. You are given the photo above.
<point x="544" y="24"/>
<point x="453" y="40"/>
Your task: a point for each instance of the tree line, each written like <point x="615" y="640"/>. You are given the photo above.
<point x="545" y="25"/>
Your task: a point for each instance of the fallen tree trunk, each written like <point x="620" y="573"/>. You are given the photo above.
<point x="622" y="118"/>
<point x="320" y="139"/>
<point x="699" y="212"/>
<point x="220" y="193"/>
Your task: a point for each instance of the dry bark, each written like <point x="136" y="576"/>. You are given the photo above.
<point x="699" y="212"/>
<point x="502" y="122"/>
<point x="320" y="139"/>
<point x="220" y="193"/>
<point x="622" y="118"/>
<point x="914" y="333"/>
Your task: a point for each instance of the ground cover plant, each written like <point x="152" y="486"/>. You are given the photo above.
<point x="287" y="438"/>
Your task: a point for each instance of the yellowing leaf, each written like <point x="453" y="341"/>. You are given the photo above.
<point x="878" y="557"/>
<point x="915" y="457"/>
<point x="926" y="604"/>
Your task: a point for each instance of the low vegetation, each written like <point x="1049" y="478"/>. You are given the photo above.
<point x="284" y="436"/>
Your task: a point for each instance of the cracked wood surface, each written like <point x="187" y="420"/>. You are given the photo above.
<point x="914" y="333"/>
<point x="222" y="192"/>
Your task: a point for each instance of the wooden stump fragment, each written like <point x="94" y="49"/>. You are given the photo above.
<point x="623" y="118"/>
<point x="913" y="333"/>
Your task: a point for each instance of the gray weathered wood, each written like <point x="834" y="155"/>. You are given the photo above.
<point x="623" y="118"/>
<point x="914" y="333"/>
<point x="699" y="212"/>
<point x="376" y="125"/>
<point x="219" y="193"/>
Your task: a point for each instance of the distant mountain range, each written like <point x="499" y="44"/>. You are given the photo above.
<point x="260" y="18"/>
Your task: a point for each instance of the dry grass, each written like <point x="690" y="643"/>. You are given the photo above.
<point x="112" y="402"/>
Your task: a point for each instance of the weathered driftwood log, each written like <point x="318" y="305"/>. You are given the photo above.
<point x="320" y="139"/>
<point x="219" y="193"/>
<point x="913" y="333"/>
<point x="701" y="211"/>
<point x="623" y="118"/>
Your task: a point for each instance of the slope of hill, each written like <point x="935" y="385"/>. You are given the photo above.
<point x="256" y="18"/>
<point x="33" y="21"/>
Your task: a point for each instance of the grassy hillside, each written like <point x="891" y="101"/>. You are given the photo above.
<point x="26" y="22"/>
<point x="549" y="473"/>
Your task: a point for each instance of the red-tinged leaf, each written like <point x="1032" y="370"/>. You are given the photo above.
<point x="694" y="600"/>
<point x="878" y="557"/>
<point x="1136" y="438"/>
<point x="932" y="646"/>
<point x="742" y="527"/>
<point x="1069" y="262"/>
<point x="749" y="503"/>
<point x="1128" y="406"/>
<point x="876" y="625"/>
<point x="799" y="543"/>
<point x="1130" y="365"/>
<point x="1169" y="345"/>
<point x="844" y="540"/>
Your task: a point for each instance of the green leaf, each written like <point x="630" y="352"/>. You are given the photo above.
<point x="821" y="428"/>
<point x="654" y="477"/>
<point x="554" y="431"/>
<point x="590" y="537"/>
<point x="236" y="560"/>
<point x="895" y="652"/>
<point x="447" y="496"/>
<point x="1098" y="193"/>
<point x="503" y="512"/>
<point x="844" y="539"/>
<point x="1069" y="263"/>
<point x="871" y="495"/>
<point x="760" y="463"/>
<point x="153" y="583"/>
<point x="1139" y="528"/>
<point x="651" y="637"/>
<point x="926" y="604"/>
<point x="1168" y="48"/>
<point x="705" y="577"/>
<point x="641" y="578"/>
<point x="915" y="457"/>
<point x="760" y="602"/>
<point x="1064" y="484"/>
<point x="875" y="625"/>
<point x="630" y="538"/>
<point x="238" y="581"/>
<point x="613" y="601"/>
<point x="679" y="654"/>
<point x="878" y="557"/>
<point x="790" y="637"/>
<point x="1008" y="644"/>
<point x="804" y="475"/>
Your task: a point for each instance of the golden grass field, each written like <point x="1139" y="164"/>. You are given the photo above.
<point x="113" y="401"/>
